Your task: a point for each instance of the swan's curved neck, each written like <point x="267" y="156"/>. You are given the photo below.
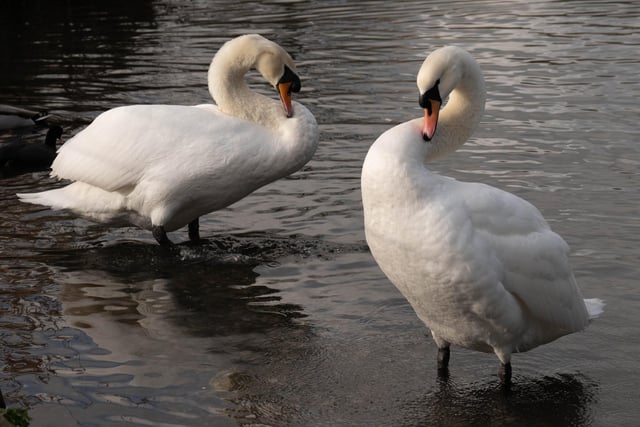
<point x="232" y="94"/>
<point x="460" y="116"/>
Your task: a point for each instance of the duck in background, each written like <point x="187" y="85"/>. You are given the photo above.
<point x="20" y="157"/>
<point x="14" y="117"/>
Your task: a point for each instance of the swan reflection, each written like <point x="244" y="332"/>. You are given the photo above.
<point x="158" y="318"/>
<point x="563" y="399"/>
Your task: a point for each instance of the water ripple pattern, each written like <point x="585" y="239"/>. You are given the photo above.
<point x="282" y="317"/>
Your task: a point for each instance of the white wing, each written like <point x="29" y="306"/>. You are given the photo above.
<point x="532" y="260"/>
<point x="124" y="144"/>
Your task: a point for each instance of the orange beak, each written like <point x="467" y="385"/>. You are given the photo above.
<point x="430" y="120"/>
<point x="284" y="89"/>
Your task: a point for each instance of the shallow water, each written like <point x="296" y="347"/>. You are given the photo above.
<point x="283" y="317"/>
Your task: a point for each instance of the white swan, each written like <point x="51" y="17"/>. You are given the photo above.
<point x="480" y="266"/>
<point x="163" y="166"/>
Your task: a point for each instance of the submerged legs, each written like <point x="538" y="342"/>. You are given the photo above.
<point x="160" y="235"/>
<point x="194" y="230"/>
<point x="443" y="363"/>
<point x="443" y="359"/>
<point x="505" y="373"/>
<point x="444" y="354"/>
<point x="505" y="366"/>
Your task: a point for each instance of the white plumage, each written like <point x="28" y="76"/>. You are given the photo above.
<point x="480" y="266"/>
<point x="163" y="166"/>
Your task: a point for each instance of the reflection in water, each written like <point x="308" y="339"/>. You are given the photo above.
<point x="56" y="47"/>
<point x="81" y="329"/>
<point x="142" y="331"/>
<point x="204" y="290"/>
<point x="366" y="380"/>
<point x="561" y="400"/>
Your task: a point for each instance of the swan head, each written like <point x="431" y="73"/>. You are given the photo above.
<point x="236" y="57"/>
<point x="289" y="82"/>
<point x="277" y="67"/>
<point x="439" y="75"/>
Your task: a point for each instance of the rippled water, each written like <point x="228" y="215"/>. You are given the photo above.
<point x="284" y="318"/>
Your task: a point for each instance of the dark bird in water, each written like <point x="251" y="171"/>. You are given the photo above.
<point x="22" y="157"/>
<point x="14" y="117"/>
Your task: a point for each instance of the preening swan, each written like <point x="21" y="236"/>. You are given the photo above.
<point x="480" y="266"/>
<point x="163" y="166"/>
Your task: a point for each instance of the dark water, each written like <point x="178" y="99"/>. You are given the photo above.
<point x="283" y="318"/>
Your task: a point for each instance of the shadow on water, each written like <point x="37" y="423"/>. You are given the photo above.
<point x="210" y="289"/>
<point x="562" y="400"/>
<point x="212" y="285"/>
<point x="136" y="319"/>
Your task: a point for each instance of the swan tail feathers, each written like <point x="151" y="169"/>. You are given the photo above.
<point x="54" y="199"/>
<point x="79" y="197"/>
<point x="595" y="307"/>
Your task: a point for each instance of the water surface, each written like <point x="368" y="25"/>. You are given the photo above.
<point x="283" y="318"/>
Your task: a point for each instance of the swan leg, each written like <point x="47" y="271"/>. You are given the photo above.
<point x="443" y="363"/>
<point x="194" y="230"/>
<point x="443" y="354"/>
<point x="505" y="366"/>
<point x="443" y="358"/>
<point x="505" y="373"/>
<point x="160" y="235"/>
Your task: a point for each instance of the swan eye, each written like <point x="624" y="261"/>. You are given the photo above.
<point x="290" y="77"/>
<point x="431" y="94"/>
